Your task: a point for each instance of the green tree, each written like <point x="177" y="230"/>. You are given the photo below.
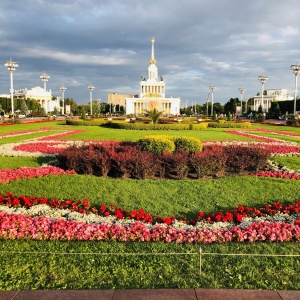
<point x="274" y="111"/>
<point x="83" y="116"/>
<point x="231" y="105"/>
<point x="154" y="115"/>
<point x="72" y="103"/>
<point x="23" y="108"/>
<point x="56" y="111"/>
<point x="218" y="108"/>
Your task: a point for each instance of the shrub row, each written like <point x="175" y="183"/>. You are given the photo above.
<point x="143" y="126"/>
<point x="80" y="122"/>
<point x="158" y="144"/>
<point x="130" y="161"/>
<point x="229" y="125"/>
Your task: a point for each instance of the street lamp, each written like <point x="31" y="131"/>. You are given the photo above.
<point x="207" y="100"/>
<point x="246" y="101"/>
<point x="295" y="69"/>
<point x="11" y="67"/>
<point x="45" y="78"/>
<point x="99" y="107"/>
<point x="242" y="90"/>
<point x="91" y="87"/>
<point x="212" y="88"/>
<point x="63" y="88"/>
<point x="262" y="79"/>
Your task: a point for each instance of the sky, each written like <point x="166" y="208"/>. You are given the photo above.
<point x="198" y="43"/>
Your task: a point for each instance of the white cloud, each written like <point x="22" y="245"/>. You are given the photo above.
<point x="289" y="30"/>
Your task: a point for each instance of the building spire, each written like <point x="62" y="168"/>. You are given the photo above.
<point x="152" y="60"/>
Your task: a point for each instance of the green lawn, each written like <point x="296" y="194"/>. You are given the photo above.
<point x="119" y="270"/>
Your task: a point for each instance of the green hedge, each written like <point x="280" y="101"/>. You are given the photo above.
<point x="142" y="126"/>
<point x="96" y="122"/>
<point x="229" y="125"/>
<point x="157" y="144"/>
<point x="199" y="126"/>
<point x="190" y="144"/>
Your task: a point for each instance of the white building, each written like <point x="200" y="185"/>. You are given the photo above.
<point x="152" y="94"/>
<point x="272" y="95"/>
<point x="43" y="96"/>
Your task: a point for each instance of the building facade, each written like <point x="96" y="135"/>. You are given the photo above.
<point x="152" y="94"/>
<point x="115" y="99"/>
<point x="43" y="96"/>
<point x="272" y="95"/>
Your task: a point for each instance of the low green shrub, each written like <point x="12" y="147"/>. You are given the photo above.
<point x="96" y="122"/>
<point x="229" y="125"/>
<point x="189" y="144"/>
<point x="143" y="126"/>
<point x="199" y="126"/>
<point x="156" y="144"/>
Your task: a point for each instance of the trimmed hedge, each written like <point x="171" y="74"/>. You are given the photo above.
<point x="142" y="126"/>
<point x="229" y="125"/>
<point x="167" y="126"/>
<point x="95" y="122"/>
<point x="187" y="143"/>
<point x="157" y="144"/>
<point x="199" y="126"/>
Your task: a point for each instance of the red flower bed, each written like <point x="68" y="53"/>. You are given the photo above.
<point x="83" y="206"/>
<point x="279" y="174"/>
<point x="7" y="175"/>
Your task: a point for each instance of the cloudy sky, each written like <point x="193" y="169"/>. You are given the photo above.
<point x="198" y="43"/>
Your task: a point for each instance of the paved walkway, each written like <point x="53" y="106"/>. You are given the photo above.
<point x="158" y="294"/>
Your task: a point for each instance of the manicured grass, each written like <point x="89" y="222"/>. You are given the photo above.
<point x="28" y="126"/>
<point x="162" y="197"/>
<point x="291" y="162"/>
<point x="20" y="138"/>
<point x="159" y="197"/>
<point x="280" y="137"/>
<point x="117" y="269"/>
<point x="18" y="162"/>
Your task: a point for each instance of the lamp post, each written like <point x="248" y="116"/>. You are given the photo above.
<point x="45" y="78"/>
<point x="262" y="79"/>
<point x="242" y="90"/>
<point x="212" y="88"/>
<point x="295" y="69"/>
<point x="11" y="67"/>
<point x="207" y="100"/>
<point x="91" y="87"/>
<point x="99" y="110"/>
<point x="246" y="101"/>
<point x="63" y="88"/>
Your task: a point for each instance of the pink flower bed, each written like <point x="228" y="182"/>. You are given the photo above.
<point x="60" y="135"/>
<point x="45" y="148"/>
<point x="18" y="226"/>
<point x="7" y="175"/>
<point x="278" y="132"/>
<point x="278" y="174"/>
<point x="253" y="136"/>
